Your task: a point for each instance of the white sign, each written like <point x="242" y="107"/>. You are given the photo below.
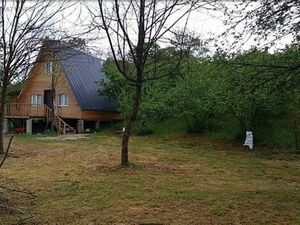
<point x="249" y="139"/>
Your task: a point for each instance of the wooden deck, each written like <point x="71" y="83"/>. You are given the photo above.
<point x="19" y="110"/>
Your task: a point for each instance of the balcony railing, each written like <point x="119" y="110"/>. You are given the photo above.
<point x="20" y="110"/>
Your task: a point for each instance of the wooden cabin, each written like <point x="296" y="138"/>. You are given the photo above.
<point x="62" y="91"/>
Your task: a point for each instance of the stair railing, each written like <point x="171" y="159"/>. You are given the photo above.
<point x="58" y="122"/>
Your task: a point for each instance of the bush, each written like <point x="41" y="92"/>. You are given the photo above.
<point x="143" y="131"/>
<point x="196" y="128"/>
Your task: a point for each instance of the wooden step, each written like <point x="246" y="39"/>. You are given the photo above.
<point x="61" y="126"/>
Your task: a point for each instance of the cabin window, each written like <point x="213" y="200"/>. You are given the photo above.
<point x="49" y="68"/>
<point x="63" y="100"/>
<point x="36" y="99"/>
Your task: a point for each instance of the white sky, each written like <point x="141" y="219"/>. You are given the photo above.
<point x="205" y="23"/>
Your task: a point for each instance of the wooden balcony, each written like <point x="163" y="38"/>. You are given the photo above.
<point x="20" y="110"/>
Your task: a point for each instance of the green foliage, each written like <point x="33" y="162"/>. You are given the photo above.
<point x="251" y="93"/>
<point x="116" y="88"/>
<point x="224" y="95"/>
<point x="198" y="96"/>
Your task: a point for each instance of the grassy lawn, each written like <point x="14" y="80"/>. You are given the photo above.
<point x="178" y="179"/>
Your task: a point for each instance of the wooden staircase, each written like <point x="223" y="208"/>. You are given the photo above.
<point x="61" y="126"/>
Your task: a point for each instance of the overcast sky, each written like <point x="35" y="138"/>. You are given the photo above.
<point x="205" y="23"/>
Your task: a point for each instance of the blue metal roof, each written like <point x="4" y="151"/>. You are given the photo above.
<point x="83" y="71"/>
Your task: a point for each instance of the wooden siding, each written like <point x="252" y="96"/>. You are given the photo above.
<point x="37" y="82"/>
<point x="62" y="88"/>
<point x="100" y="115"/>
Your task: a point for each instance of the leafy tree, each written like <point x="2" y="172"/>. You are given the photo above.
<point x="198" y="97"/>
<point x="257" y="93"/>
<point x="192" y="93"/>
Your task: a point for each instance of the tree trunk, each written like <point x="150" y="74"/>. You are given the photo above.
<point x="296" y="134"/>
<point x="2" y="105"/>
<point x="129" y="121"/>
<point x="1" y="133"/>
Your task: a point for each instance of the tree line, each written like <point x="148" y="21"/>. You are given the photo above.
<point x="250" y="89"/>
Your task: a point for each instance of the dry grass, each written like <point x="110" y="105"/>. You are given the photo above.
<point x="173" y="180"/>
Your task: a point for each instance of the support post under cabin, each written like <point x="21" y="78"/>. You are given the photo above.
<point x="6" y="126"/>
<point x="97" y="125"/>
<point x="80" y="126"/>
<point x="29" y="126"/>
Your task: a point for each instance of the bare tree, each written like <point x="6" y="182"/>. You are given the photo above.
<point x="267" y="22"/>
<point x="133" y="29"/>
<point x="23" y="25"/>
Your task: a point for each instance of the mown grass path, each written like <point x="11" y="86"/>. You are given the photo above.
<point x="178" y="179"/>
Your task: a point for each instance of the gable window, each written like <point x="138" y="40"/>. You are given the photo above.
<point x="63" y="100"/>
<point x="49" y="68"/>
<point x="36" y="99"/>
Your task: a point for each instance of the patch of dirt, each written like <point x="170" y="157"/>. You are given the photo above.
<point x="66" y="137"/>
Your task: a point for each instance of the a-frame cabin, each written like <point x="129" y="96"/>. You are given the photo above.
<point x="62" y="90"/>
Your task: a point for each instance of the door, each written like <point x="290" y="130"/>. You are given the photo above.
<point x="48" y="98"/>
